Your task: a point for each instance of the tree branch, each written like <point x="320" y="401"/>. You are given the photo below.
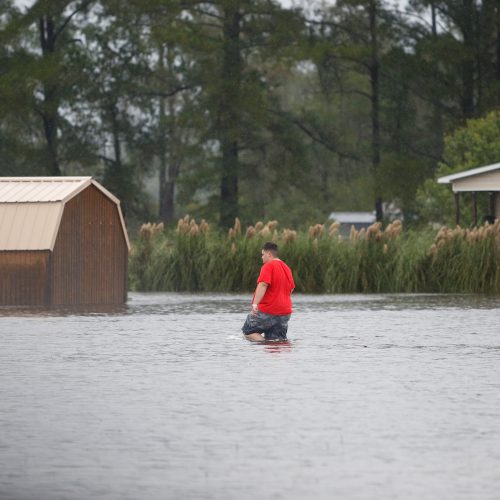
<point x="68" y="19"/>
<point x="315" y="136"/>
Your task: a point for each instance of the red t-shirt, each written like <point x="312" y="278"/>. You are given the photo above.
<point x="280" y="282"/>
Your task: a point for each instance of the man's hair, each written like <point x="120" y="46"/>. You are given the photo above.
<point x="270" y="247"/>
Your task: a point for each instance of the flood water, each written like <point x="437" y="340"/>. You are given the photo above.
<point x="375" y="397"/>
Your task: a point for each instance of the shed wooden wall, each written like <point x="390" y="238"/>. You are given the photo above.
<point x="24" y="277"/>
<point x="89" y="261"/>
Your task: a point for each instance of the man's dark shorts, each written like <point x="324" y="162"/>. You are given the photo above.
<point x="273" y="327"/>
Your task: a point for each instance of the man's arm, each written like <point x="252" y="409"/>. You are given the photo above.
<point x="260" y="291"/>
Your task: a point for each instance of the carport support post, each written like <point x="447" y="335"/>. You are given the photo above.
<point x="474" y="207"/>
<point x="457" y="209"/>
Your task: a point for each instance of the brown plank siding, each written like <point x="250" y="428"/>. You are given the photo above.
<point x="89" y="261"/>
<point x="24" y="277"/>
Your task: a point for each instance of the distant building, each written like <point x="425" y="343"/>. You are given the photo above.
<point x="477" y="180"/>
<point x="63" y="241"/>
<point x="356" y="219"/>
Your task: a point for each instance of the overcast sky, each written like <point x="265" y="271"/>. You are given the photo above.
<point x="285" y="3"/>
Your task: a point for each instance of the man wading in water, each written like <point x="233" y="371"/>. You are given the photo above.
<point x="271" y="304"/>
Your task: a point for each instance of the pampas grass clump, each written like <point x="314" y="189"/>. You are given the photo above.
<point x="195" y="257"/>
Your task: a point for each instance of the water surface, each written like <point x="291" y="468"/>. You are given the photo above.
<point x="375" y="397"/>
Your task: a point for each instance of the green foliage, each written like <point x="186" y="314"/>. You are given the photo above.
<point x="475" y="145"/>
<point x="195" y="258"/>
<point x="163" y="99"/>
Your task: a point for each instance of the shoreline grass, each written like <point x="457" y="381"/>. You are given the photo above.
<point x="197" y="258"/>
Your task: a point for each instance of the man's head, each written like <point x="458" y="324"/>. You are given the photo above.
<point x="269" y="251"/>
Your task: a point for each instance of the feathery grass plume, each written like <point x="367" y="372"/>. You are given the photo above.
<point x="353" y="234"/>
<point x="145" y="232"/>
<point x="397" y="227"/>
<point x="150" y="230"/>
<point x="233" y="248"/>
<point x="230" y="233"/>
<point x="259" y="226"/>
<point x="393" y="230"/>
<point x="183" y="226"/>
<point x="237" y="227"/>
<point x="158" y="228"/>
<point x="441" y="235"/>
<point x="334" y="227"/>
<point x="250" y="232"/>
<point x="204" y="227"/>
<point x="272" y="225"/>
<point x="457" y="232"/>
<point x="265" y="232"/>
<point x="289" y="236"/>
<point x="373" y="232"/>
<point x="316" y="231"/>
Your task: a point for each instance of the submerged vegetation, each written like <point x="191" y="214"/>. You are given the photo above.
<point x="196" y="257"/>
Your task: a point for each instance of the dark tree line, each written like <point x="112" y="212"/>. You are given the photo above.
<point x="229" y="108"/>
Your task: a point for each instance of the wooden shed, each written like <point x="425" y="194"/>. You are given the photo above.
<point x="63" y="241"/>
<point x="477" y="180"/>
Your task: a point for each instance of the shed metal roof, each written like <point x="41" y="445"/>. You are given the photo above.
<point x="29" y="226"/>
<point x="43" y="189"/>
<point x="353" y="217"/>
<point x="31" y="209"/>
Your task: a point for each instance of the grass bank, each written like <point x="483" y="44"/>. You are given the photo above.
<point x="195" y="257"/>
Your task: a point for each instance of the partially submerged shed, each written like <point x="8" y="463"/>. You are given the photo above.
<point x="477" y="180"/>
<point x="63" y="241"/>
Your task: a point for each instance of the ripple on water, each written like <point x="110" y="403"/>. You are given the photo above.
<point x="378" y="396"/>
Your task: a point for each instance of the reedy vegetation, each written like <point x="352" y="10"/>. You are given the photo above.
<point x="198" y="258"/>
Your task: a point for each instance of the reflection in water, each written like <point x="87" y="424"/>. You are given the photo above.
<point x="61" y="311"/>
<point x="381" y="396"/>
<point x="277" y="346"/>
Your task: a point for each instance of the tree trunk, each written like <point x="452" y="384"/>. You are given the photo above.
<point x="375" y="108"/>
<point x="433" y="19"/>
<point x="169" y="164"/>
<point x="167" y="209"/>
<point x="114" y="178"/>
<point x="497" y="55"/>
<point x="50" y="108"/>
<point x="468" y="62"/>
<point x="50" y="126"/>
<point x="437" y="115"/>
<point x="230" y="116"/>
